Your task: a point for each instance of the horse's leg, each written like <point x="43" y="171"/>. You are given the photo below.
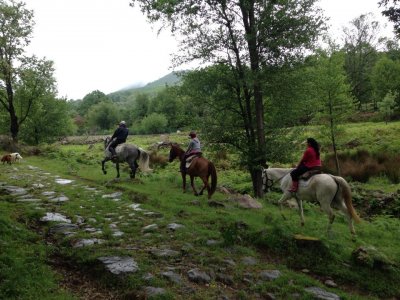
<point x="301" y="212"/>
<point x="205" y="185"/>
<point x="325" y="206"/>
<point x="286" y="195"/>
<point x="117" y="167"/>
<point x="102" y="165"/>
<point x="192" y="184"/>
<point x="344" y="209"/>
<point x="133" y="169"/>
<point x="183" y="181"/>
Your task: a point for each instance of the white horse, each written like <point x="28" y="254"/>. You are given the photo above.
<point x="325" y="188"/>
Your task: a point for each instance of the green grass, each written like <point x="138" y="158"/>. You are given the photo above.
<point x="262" y="234"/>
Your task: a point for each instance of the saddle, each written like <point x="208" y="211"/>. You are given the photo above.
<point x="310" y="173"/>
<point x="190" y="159"/>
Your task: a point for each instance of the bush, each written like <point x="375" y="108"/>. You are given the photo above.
<point x="154" y="123"/>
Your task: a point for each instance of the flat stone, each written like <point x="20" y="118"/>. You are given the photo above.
<point x="63" y="228"/>
<point x="249" y="261"/>
<point x="153" y="291"/>
<point x="56" y="217"/>
<point x="38" y="185"/>
<point x="321" y="294"/>
<point x="87" y="242"/>
<point x="198" y="276"/>
<point x="50" y="193"/>
<point x="118" y="265"/>
<point x="165" y="253"/>
<point x="113" y="195"/>
<point x="59" y="199"/>
<point x="171" y="276"/>
<point x="63" y="181"/>
<point x="135" y="206"/>
<point x="28" y="200"/>
<point x="150" y="228"/>
<point x="270" y="275"/>
<point x="174" y="226"/>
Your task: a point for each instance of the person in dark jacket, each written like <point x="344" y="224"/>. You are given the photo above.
<point x="119" y="137"/>
<point x="310" y="160"/>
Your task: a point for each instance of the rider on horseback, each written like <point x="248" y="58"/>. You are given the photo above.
<point x="310" y="160"/>
<point x="119" y="137"/>
<point x="194" y="148"/>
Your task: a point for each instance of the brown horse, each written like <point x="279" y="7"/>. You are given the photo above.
<point x="200" y="167"/>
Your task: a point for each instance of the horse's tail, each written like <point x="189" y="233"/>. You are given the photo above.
<point x="144" y="160"/>
<point x="346" y="194"/>
<point x="212" y="171"/>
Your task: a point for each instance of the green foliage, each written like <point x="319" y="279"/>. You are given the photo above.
<point x="386" y="106"/>
<point x="90" y="100"/>
<point x="154" y="123"/>
<point x="48" y="121"/>
<point x="102" y="116"/>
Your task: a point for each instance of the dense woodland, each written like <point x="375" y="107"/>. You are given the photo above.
<point x="273" y="68"/>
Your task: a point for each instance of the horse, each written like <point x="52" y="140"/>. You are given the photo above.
<point x="199" y="167"/>
<point x="325" y="188"/>
<point x="16" y="157"/>
<point x="126" y="153"/>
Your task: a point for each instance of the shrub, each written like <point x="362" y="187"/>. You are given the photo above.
<point x="154" y="123"/>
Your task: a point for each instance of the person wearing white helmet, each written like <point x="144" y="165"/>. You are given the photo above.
<point x="119" y="137"/>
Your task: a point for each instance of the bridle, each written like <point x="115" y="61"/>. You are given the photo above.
<point x="270" y="182"/>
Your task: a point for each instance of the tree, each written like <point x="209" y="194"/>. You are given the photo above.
<point x="90" y="100"/>
<point x="386" y="105"/>
<point x="385" y="77"/>
<point x="154" y="123"/>
<point x="334" y="94"/>
<point x="360" y="45"/>
<point x="102" y="116"/>
<point x="392" y="12"/>
<point x="247" y="36"/>
<point x="48" y="120"/>
<point x="23" y="80"/>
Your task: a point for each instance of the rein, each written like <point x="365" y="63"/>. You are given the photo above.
<point x="270" y="182"/>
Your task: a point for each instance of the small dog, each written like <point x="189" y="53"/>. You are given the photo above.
<point x="6" y="159"/>
<point x="15" y="157"/>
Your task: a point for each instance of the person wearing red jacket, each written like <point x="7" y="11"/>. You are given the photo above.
<point x="309" y="161"/>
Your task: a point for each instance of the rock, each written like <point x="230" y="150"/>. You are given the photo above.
<point x="321" y="294"/>
<point x="86" y="242"/>
<point x="330" y="283"/>
<point x="150" y="228"/>
<point x="198" y="276"/>
<point x="118" y="265"/>
<point x="246" y="201"/>
<point x="249" y="261"/>
<point x="56" y="217"/>
<point x="174" y="226"/>
<point x="225" y="279"/>
<point x="151" y="291"/>
<point x="63" y="228"/>
<point x="213" y="203"/>
<point x="270" y="275"/>
<point x="370" y="256"/>
<point x="63" y="181"/>
<point x="171" y="276"/>
<point x="113" y="195"/>
<point x="164" y="253"/>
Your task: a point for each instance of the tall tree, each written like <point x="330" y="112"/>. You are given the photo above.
<point x="23" y="80"/>
<point x="360" y="43"/>
<point x="334" y="94"/>
<point x="90" y="100"/>
<point x="246" y="35"/>
<point x="392" y="12"/>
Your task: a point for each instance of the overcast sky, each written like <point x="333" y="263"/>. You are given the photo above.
<point x="107" y="45"/>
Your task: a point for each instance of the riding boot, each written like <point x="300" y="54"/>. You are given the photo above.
<point x="113" y="153"/>
<point x="295" y="187"/>
<point x="183" y="166"/>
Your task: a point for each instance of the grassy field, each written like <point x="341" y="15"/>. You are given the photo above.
<point x="219" y="237"/>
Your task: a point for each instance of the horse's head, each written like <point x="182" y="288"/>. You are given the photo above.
<point x="173" y="152"/>
<point x="266" y="180"/>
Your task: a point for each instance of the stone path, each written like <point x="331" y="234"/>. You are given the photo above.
<point x="92" y="216"/>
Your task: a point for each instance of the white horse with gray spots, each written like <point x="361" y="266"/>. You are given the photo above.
<point x="330" y="191"/>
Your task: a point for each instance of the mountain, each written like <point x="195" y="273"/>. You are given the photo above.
<point x="153" y="87"/>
